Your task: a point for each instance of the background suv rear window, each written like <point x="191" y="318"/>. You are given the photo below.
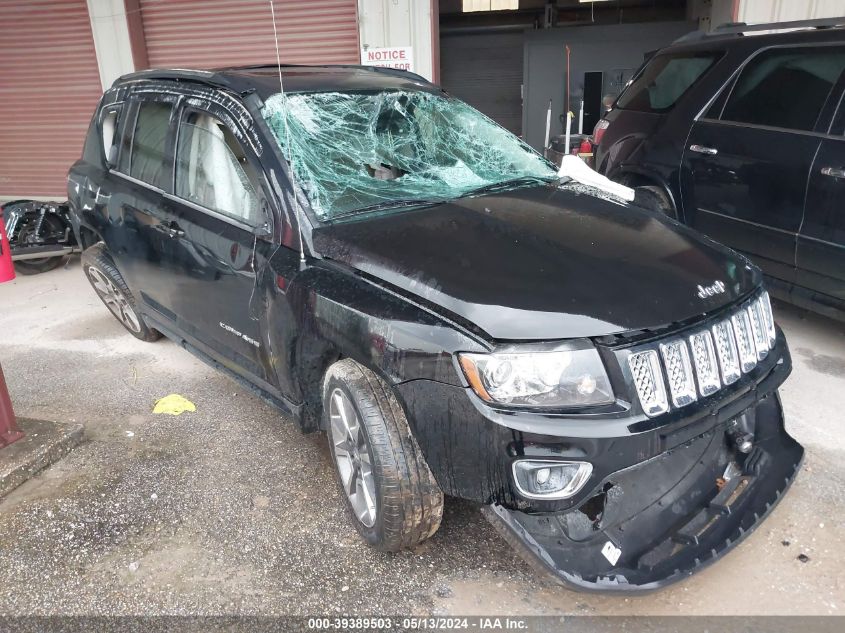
<point x="664" y="80"/>
<point x="148" y="143"/>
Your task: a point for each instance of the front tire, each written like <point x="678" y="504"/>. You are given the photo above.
<point x="393" y="498"/>
<point x="114" y="293"/>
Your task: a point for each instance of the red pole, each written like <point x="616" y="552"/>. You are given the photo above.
<point x="9" y="431"/>
<point x="7" y="269"/>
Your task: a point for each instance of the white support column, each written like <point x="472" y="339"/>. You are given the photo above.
<point x="400" y="23"/>
<point x="756" y="11"/>
<point x="112" y="41"/>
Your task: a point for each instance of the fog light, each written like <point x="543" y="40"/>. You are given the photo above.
<point x="545" y="479"/>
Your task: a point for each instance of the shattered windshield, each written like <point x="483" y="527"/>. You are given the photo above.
<point x="359" y="152"/>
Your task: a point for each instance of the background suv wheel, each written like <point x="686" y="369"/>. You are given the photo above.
<point x="654" y="198"/>
<point x="386" y="484"/>
<point x="114" y="293"/>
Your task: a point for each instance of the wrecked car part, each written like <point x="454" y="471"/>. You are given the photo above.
<point x="351" y="151"/>
<point x="40" y="234"/>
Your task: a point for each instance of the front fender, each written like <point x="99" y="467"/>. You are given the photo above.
<point x="336" y="314"/>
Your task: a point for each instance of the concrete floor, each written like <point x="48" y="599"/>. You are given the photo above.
<point x="232" y="510"/>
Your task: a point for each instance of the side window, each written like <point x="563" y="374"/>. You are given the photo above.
<point x="664" y="80"/>
<point x="212" y="169"/>
<point x="785" y="88"/>
<point x="109" y="121"/>
<point x="146" y="158"/>
<point x="131" y="113"/>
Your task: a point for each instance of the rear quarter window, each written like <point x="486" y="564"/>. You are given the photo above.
<point x="149" y="140"/>
<point x="664" y="80"/>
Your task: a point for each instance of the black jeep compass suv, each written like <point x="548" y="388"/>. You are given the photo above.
<point x="387" y="265"/>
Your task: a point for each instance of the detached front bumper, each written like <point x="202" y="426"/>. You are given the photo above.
<point x="660" y="521"/>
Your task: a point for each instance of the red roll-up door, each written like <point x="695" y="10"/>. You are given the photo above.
<point x="215" y="33"/>
<point x="49" y="87"/>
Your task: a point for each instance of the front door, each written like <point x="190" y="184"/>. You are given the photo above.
<point x="821" y="242"/>
<point x="745" y="168"/>
<point x="216" y="211"/>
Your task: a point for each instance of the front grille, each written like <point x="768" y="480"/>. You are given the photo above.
<point x="706" y="360"/>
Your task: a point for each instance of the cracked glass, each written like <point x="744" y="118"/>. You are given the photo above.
<point x="362" y="152"/>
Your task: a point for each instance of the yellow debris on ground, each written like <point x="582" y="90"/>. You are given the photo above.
<point x="174" y="404"/>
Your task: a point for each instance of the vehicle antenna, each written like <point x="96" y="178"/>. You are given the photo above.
<point x="297" y="210"/>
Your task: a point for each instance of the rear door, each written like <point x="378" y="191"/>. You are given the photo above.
<point x="745" y="167"/>
<point x="821" y="241"/>
<point x="139" y="224"/>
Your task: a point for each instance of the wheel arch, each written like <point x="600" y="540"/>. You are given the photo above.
<point x="394" y="338"/>
<point x="636" y="177"/>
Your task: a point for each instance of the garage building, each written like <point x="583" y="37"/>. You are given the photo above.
<point x="505" y="57"/>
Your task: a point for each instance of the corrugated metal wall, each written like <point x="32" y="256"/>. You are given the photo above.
<point x="214" y="33"/>
<point x="49" y="88"/>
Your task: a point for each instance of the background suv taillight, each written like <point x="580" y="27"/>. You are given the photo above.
<point x="598" y="131"/>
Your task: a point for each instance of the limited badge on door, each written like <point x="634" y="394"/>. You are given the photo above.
<point x="611" y="552"/>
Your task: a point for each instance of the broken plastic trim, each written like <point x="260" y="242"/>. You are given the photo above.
<point x="364" y="151"/>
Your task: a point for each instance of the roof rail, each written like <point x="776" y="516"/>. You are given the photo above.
<point x="377" y="69"/>
<point x="740" y="28"/>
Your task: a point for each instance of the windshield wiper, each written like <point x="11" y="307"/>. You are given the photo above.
<point x="387" y="204"/>
<point x="507" y="185"/>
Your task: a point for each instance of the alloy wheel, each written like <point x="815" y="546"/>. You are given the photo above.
<point x="352" y="456"/>
<point x="114" y="299"/>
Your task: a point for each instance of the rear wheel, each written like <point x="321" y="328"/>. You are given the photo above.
<point x="387" y="486"/>
<point x="114" y="293"/>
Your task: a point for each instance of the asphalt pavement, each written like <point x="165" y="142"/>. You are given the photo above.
<point x="231" y="510"/>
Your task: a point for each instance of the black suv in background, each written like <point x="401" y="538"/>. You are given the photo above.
<point x="387" y="265"/>
<point x="742" y="136"/>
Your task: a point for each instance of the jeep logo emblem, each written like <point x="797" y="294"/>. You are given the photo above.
<point x="712" y="290"/>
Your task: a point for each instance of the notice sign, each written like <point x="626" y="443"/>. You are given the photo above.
<point x="401" y="57"/>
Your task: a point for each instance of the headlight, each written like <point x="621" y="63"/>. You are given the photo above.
<point x="557" y="378"/>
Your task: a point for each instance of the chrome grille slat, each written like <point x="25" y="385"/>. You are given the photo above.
<point x="723" y="335"/>
<point x="744" y="342"/>
<point x="758" y="330"/>
<point x="700" y="364"/>
<point x="706" y="365"/>
<point x="676" y="360"/>
<point x="648" y="378"/>
<point x="769" y="318"/>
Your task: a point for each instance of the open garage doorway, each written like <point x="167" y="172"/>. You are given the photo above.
<point x="487" y="52"/>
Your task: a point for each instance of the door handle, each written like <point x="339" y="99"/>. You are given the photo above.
<point x="701" y="149"/>
<point x="172" y="229"/>
<point x="833" y="172"/>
